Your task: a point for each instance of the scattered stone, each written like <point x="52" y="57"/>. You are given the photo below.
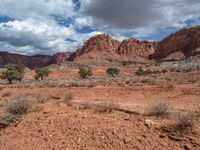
<point x="127" y="140"/>
<point x="46" y="112"/>
<point x="187" y="147"/>
<point x="148" y="123"/>
<point x="162" y="136"/>
<point x="114" y="132"/>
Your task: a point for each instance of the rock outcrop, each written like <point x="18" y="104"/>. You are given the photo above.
<point x="102" y="49"/>
<point x="136" y="51"/>
<point x="99" y="49"/>
<point x="185" y="42"/>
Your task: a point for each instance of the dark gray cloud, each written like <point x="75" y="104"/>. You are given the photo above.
<point x="140" y="13"/>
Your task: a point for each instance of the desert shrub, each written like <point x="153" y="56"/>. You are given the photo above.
<point x="73" y="84"/>
<point x="186" y="119"/>
<point x="13" y="72"/>
<point x="40" y="73"/>
<point x="112" y="71"/>
<point x="141" y="72"/>
<point x="90" y="85"/>
<point x="19" y="105"/>
<point x="6" y="94"/>
<point x="42" y="98"/>
<point x="158" y="109"/>
<point x="68" y="97"/>
<point x="86" y="105"/>
<point x="105" y="107"/>
<point x="85" y="71"/>
<point x="8" y="118"/>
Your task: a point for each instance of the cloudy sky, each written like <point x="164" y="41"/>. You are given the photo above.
<point x="50" y="26"/>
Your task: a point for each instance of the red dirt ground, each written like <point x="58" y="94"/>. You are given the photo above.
<point x="59" y="126"/>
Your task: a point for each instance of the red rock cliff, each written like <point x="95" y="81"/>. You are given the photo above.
<point x="184" y="41"/>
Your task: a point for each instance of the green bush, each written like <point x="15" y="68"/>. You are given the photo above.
<point x="141" y="72"/>
<point x="13" y="72"/>
<point x="85" y="71"/>
<point x="40" y="73"/>
<point x="112" y="71"/>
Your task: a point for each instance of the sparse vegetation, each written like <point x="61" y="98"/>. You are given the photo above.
<point x="85" y="71"/>
<point x="13" y="72"/>
<point x="40" y="73"/>
<point x="86" y="105"/>
<point x="158" y="109"/>
<point x="6" y="94"/>
<point x="43" y="98"/>
<point x="68" y="97"/>
<point x="186" y="119"/>
<point x="105" y="107"/>
<point x="112" y="71"/>
<point x="8" y="118"/>
<point x="19" y="105"/>
<point x="14" y="109"/>
<point x="141" y="72"/>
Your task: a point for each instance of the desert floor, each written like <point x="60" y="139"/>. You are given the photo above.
<point x="65" y="112"/>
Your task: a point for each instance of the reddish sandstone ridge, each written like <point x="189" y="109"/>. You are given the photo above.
<point x="132" y="50"/>
<point x="185" y="41"/>
<point x="102" y="49"/>
<point x="99" y="49"/>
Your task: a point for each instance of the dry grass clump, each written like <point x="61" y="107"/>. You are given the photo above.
<point x="86" y="105"/>
<point x="7" y="94"/>
<point x="191" y="91"/>
<point x="158" y="109"/>
<point x="19" y="105"/>
<point x="14" y="109"/>
<point x="105" y="107"/>
<point x="186" y="119"/>
<point x="43" y="98"/>
<point x="68" y="97"/>
<point x="8" y="118"/>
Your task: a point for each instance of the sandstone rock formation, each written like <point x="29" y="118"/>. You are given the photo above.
<point x="185" y="41"/>
<point x="132" y="50"/>
<point x="102" y="49"/>
<point x="99" y="49"/>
